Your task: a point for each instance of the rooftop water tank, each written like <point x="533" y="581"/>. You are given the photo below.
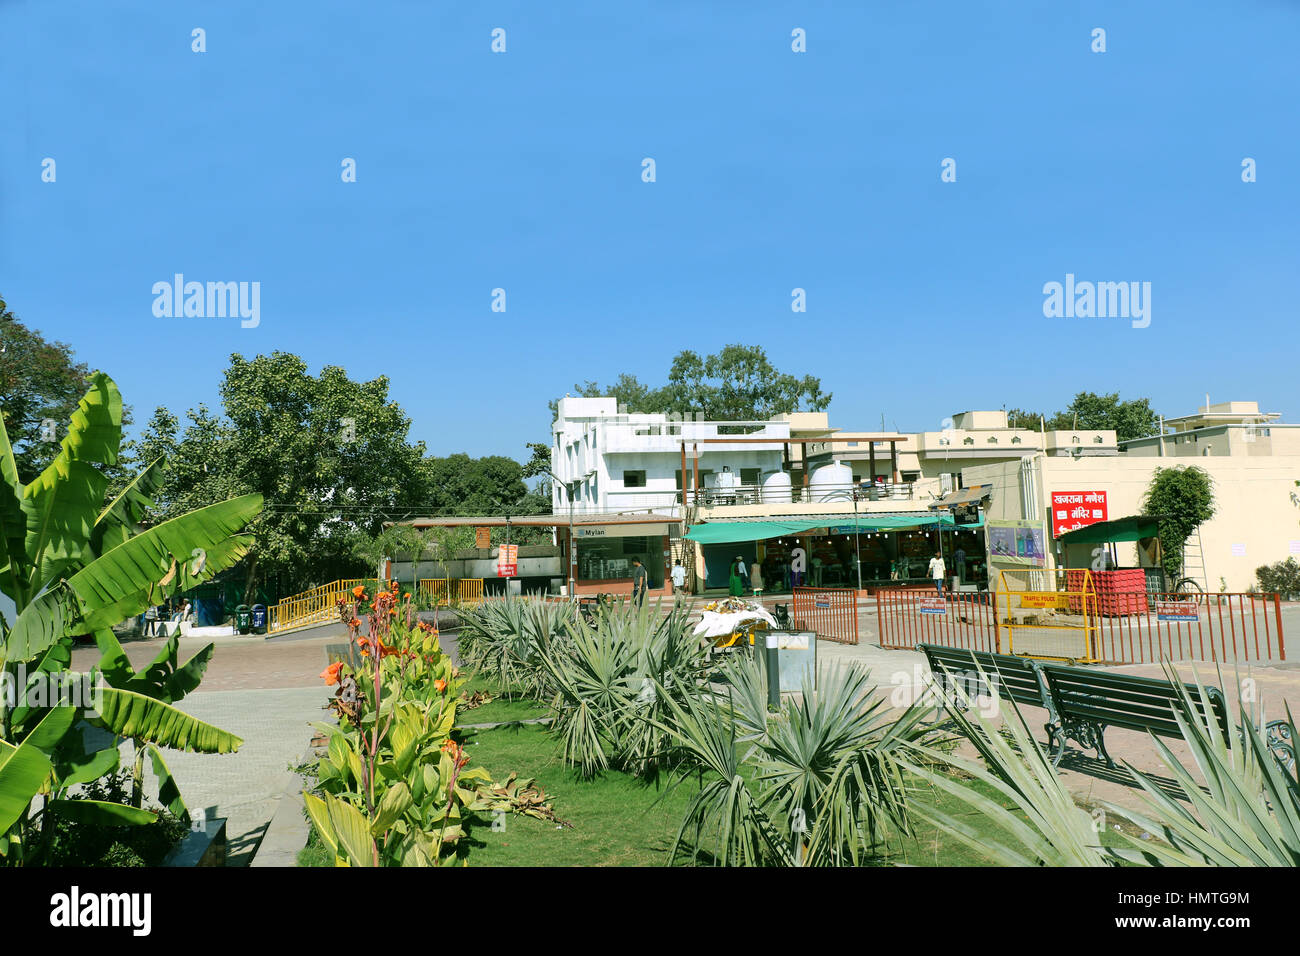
<point x="831" y="482"/>
<point x="776" y="487"/>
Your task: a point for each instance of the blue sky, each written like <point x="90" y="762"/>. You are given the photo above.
<point x="775" y="170"/>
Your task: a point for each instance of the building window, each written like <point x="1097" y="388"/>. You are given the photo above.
<point x="992" y="440"/>
<point x="634" y="479"/>
<point x="1015" y="440"/>
<point x="750" y="476"/>
<point x="1096" y="439"/>
<point x="968" y="441"/>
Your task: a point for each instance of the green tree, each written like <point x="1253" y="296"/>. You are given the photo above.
<point x="737" y="383"/>
<point x="1181" y="498"/>
<point x="40" y="385"/>
<point x="330" y="455"/>
<point x="1131" y="419"/>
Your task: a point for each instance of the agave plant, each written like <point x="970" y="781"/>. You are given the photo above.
<point x="1246" y="812"/>
<point x="503" y="640"/>
<point x="818" y="784"/>
<point x="74" y="566"/>
<point x="1049" y="829"/>
<point x="612" y="685"/>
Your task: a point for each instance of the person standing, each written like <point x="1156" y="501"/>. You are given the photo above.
<point x="937" y="571"/>
<point x="640" y="579"/>
<point x="150" y="620"/>
<point x="756" y="576"/>
<point x="959" y="564"/>
<point x="679" y="577"/>
<point x="736" y="577"/>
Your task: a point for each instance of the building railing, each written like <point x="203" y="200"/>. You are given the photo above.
<point x="742" y="494"/>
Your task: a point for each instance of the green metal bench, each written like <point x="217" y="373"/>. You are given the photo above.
<point x="1089" y="700"/>
<point x="1015" y="678"/>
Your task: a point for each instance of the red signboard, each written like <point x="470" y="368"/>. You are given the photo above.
<point x="507" y="570"/>
<point x="1072" y="510"/>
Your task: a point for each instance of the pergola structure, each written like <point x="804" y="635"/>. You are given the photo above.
<point x="871" y="440"/>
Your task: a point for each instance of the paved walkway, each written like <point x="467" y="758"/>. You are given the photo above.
<point x="267" y="692"/>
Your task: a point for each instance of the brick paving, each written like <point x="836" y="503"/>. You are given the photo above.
<point x="267" y="692"/>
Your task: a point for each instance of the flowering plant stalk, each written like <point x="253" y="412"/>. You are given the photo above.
<point x="394" y="788"/>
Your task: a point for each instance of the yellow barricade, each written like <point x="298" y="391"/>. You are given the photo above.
<point x="1047" y="614"/>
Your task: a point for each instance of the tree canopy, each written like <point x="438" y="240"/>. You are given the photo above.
<point x="1128" y="419"/>
<point x="737" y="383"/>
<point x="1182" y="498"/>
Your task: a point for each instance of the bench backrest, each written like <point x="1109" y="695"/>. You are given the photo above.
<point x="1016" y="678"/>
<point x="1122" y="700"/>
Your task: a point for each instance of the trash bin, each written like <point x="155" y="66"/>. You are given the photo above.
<point x="259" y="618"/>
<point x="243" y="618"/>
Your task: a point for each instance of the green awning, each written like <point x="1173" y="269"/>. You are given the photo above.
<point x="1121" y="529"/>
<point x="727" y="532"/>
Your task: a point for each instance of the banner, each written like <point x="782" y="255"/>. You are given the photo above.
<point x="1019" y="543"/>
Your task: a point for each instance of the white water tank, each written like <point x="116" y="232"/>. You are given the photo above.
<point x="831" y="482"/>
<point x="776" y="487"/>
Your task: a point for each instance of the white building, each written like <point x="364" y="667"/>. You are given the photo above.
<point x="620" y="462"/>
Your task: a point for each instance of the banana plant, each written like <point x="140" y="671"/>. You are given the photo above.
<point x="74" y="565"/>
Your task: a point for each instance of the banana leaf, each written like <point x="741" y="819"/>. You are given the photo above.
<point x="128" y="714"/>
<point x="169" y="792"/>
<point x="25" y="768"/>
<point x="61" y="503"/>
<point x="122" y="517"/>
<point x="102" y="813"/>
<point x="13" y="524"/>
<point x="39" y="625"/>
<point x="118" y="584"/>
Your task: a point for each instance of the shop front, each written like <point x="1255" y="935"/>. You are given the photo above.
<point x="871" y="552"/>
<point x="604" y="557"/>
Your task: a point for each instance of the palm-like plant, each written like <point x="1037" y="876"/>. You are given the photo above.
<point x="612" y="685"/>
<point x="72" y="567"/>
<point x="1245" y="813"/>
<point x="1049" y="828"/>
<point x="823" y="775"/>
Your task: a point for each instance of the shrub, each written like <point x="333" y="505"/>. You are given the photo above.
<point x="1281" y="576"/>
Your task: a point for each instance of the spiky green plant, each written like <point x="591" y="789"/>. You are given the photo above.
<point x="1244" y="810"/>
<point x="1246" y="813"/>
<point x="611" y="685"/>
<point x="823" y="775"/>
<point x="1050" y="829"/>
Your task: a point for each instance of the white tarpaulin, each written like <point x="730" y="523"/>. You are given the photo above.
<point x="720" y="624"/>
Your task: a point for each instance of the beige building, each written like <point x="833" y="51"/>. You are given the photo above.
<point x="1257" y="519"/>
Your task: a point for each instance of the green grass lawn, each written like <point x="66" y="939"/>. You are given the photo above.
<point x="498" y="710"/>
<point x="618" y="820"/>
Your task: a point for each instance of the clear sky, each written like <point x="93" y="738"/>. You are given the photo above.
<point x="775" y="170"/>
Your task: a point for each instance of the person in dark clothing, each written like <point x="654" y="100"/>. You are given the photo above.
<point x="640" y="581"/>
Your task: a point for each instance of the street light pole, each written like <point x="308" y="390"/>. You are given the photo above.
<point x="857" y="538"/>
<point x="573" y="555"/>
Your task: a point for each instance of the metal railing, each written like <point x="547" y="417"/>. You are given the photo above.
<point x="1128" y="627"/>
<point x="797" y="494"/>
<point x="831" y="612"/>
<point x="910" y="616"/>
<point x="316" y="606"/>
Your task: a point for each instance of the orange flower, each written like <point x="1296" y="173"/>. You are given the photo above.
<point x="330" y="675"/>
<point x="358" y="591"/>
<point x="440" y="686"/>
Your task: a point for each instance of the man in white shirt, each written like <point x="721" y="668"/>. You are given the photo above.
<point x="679" y="577"/>
<point x="937" y="571"/>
